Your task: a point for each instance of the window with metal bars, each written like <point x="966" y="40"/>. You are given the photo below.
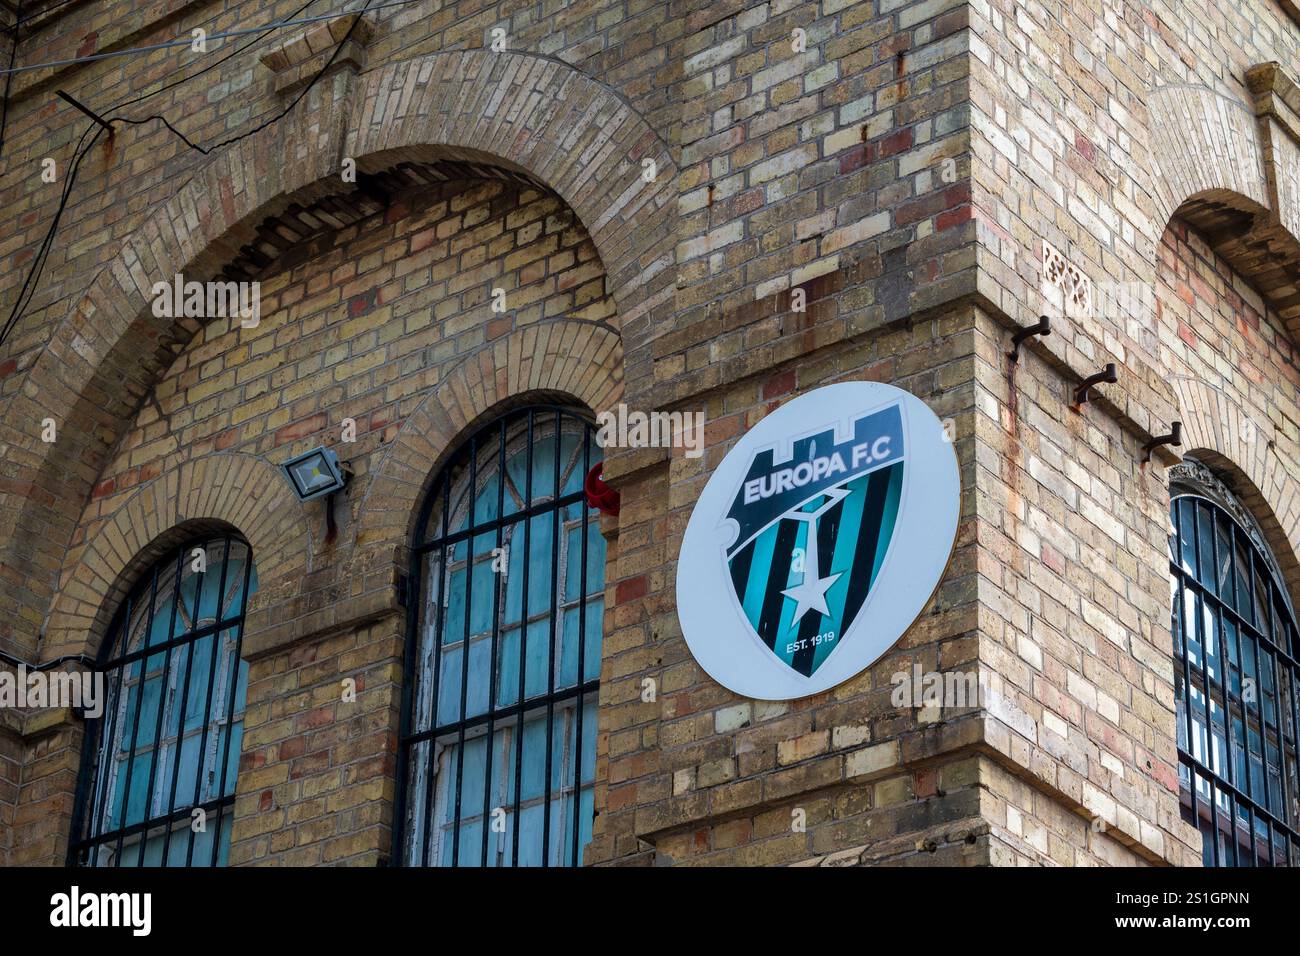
<point x="1235" y="678"/>
<point x="158" y="776"/>
<point x="499" y="732"/>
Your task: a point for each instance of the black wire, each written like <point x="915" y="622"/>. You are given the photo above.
<point x="28" y="289"/>
<point x="205" y="150"/>
<point x="19" y="19"/>
<point x="210" y="66"/>
<point x="13" y="52"/>
<point x="88" y="662"/>
<point x="38" y="263"/>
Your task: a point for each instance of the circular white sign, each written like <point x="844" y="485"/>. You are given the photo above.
<point x="819" y="539"/>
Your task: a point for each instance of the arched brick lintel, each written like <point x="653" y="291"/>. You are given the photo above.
<point x="1204" y="146"/>
<point x="553" y="121"/>
<point x="242" y="493"/>
<point x="579" y="360"/>
<point x="542" y="116"/>
<point x="1225" y="436"/>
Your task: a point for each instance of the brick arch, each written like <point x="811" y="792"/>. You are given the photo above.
<point x="1203" y="146"/>
<point x="580" y="360"/>
<point x="539" y="115"/>
<point x="231" y="491"/>
<point x="1219" y="431"/>
<point x="560" y="125"/>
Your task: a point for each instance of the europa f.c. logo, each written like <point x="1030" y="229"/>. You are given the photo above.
<point x="818" y="540"/>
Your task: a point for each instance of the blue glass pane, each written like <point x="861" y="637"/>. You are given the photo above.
<point x="539" y="557"/>
<point x="228" y="742"/>
<point x="471" y="843"/>
<point x="512" y="602"/>
<point x="471" y="768"/>
<point x="531" y="821"/>
<point x="1205" y="539"/>
<point x="568" y="664"/>
<point x="537" y="671"/>
<point x="241" y="688"/>
<point x="1186" y="535"/>
<point x="536" y="663"/>
<point x="571" y="458"/>
<point x="586" y="817"/>
<point x="234" y="595"/>
<point x="1268" y="693"/>
<point x="201" y="652"/>
<point x="163" y="625"/>
<point x="453" y="625"/>
<point x="137" y="805"/>
<point x="190" y="581"/>
<point x="532" y="784"/>
<point x="168" y="739"/>
<point x="485" y="502"/>
<point x="482" y="597"/>
<point x="593" y="614"/>
<point x="143" y="717"/>
<point x="508" y="667"/>
<point x="595" y="561"/>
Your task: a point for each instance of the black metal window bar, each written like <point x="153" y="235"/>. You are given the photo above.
<point x="499" y="729"/>
<point x="1235" y="676"/>
<point x="158" y="773"/>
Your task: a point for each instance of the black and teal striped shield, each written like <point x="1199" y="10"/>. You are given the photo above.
<point x="815" y="533"/>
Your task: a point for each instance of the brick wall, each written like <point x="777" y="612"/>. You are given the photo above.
<point x="317" y="773"/>
<point x="1073" y="583"/>
<point x="903" y="165"/>
<point x="699" y="774"/>
<point x="1114" y="132"/>
<point x="359" y="328"/>
<point x="360" y="331"/>
<point x="11" y="765"/>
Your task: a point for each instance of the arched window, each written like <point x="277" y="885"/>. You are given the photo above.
<point x="158" y="778"/>
<point x="499" y="740"/>
<point x="1235" y="678"/>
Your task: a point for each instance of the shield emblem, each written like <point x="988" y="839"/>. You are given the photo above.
<point x="814" y="534"/>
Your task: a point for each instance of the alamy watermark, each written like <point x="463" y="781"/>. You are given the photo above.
<point x="936" y="690"/>
<point x="30" y="688"/>
<point x="75" y="909"/>
<point x="208" y="300"/>
<point x="622" y="428"/>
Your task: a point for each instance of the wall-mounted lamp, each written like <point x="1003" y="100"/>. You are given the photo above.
<point x="314" y="474"/>
<point x="1175" y="438"/>
<point x="1042" y="327"/>
<point x="1107" y="375"/>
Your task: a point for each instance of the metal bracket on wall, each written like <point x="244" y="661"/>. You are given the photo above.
<point x="1175" y="438"/>
<point x="1106" y="375"/>
<point x="1042" y="327"/>
<point x="85" y="109"/>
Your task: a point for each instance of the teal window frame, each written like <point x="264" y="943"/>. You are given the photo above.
<point x="1236" y="679"/>
<point x="161" y="762"/>
<point x="530" y="597"/>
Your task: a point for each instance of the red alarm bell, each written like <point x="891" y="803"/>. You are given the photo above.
<point x="600" y="495"/>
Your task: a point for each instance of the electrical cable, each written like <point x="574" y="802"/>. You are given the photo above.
<point x="205" y="150"/>
<point x="224" y="35"/>
<point x="88" y="662"/>
<point x="13" y="52"/>
<point x="38" y="263"/>
<point x="28" y="289"/>
<point x="4" y="116"/>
